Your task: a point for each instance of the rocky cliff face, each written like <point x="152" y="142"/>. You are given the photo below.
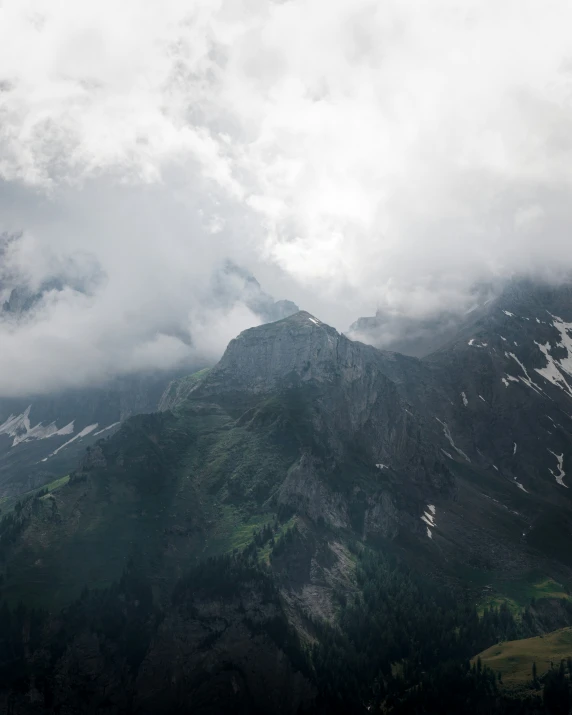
<point x="299" y="347"/>
<point x="354" y="405"/>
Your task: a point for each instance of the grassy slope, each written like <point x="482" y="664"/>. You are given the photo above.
<point x="514" y="659"/>
<point x="518" y="593"/>
<point x="177" y="488"/>
<point x="183" y="385"/>
<point x="7" y="504"/>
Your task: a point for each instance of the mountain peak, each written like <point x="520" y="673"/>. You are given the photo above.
<point x="302" y="316"/>
<point x="299" y="347"/>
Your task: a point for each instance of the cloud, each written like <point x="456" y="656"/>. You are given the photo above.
<point x="353" y="154"/>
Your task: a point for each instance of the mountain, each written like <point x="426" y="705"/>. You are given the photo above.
<point x="43" y="436"/>
<point x="233" y="284"/>
<point x="20" y="299"/>
<point x="421" y="336"/>
<point x="311" y="525"/>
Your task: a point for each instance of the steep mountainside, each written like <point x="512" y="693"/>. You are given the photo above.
<point x="256" y="520"/>
<point x="420" y="336"/>
<point x="43" y="436"/>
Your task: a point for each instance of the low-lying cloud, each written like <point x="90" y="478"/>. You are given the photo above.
<point x="353" y="154"/>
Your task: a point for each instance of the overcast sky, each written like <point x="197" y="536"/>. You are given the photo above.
<point x="352" y="154"/>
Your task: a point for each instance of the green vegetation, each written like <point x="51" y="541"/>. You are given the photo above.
<point x="190" y="501"/>
<point x="399" y="618"/>
<point x="515" y="659"/>
<point x="232" y="531"/>
<point x="167" y="491"/>
<point x="56" y="484"/>
<point x="180" y="388"/>
<point x="272" y="544"/>
<point x="401" y="644"/>
<point x="494" y="588"/>
<point x="8" y="503"/>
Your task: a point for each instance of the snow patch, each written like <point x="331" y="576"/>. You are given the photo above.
<point x="551" y="371"/>
<point x="429" y="518"/>
<point x="514" y="450"/>
<point x="21" y="430"/>
<point x="502" y="338"/>
<point x="106" y="428"/>
<point x="527" y="379"/>
<point x="507" y="312"/>
<point x="561" y="473"/>
<point x="464" y="398"/>
<point x="482" y="398"/>
<point x="519" y="485"/>
<point x="495" y="467"/>
<point x="507" y="379"/>
<point x="555" y="367"/>
<point x="381" y="466"/>
<point x="447" y="434"/>
<point x="556" y="424"/>
<point x="447" y="454"/>
<point x="85" y="431"/>
<point x="68" y="429"/>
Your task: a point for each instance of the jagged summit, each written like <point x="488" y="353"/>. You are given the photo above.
<point x="299" y="346"/>
<point x="300" y="317"/>
<point x="421" y="337"/>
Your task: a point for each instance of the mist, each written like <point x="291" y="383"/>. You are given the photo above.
<point x="353" y="156"/>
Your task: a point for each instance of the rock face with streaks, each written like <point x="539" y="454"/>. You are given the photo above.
<point x="500" y="390"/>
<point x="349" y="399"/>
<point x="300" y="348"/>
<point x="509" y="376"/>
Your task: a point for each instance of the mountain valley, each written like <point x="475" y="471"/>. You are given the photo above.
<point x="287" y="527"/>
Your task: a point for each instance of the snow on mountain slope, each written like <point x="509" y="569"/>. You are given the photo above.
<point x="20" y="428"/>
<point x="514" y="373"/>
<point x="43" y="439"/>
<point x="84" y="432"/>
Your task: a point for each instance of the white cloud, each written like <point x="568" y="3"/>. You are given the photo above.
<point x="352" y="153"/>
